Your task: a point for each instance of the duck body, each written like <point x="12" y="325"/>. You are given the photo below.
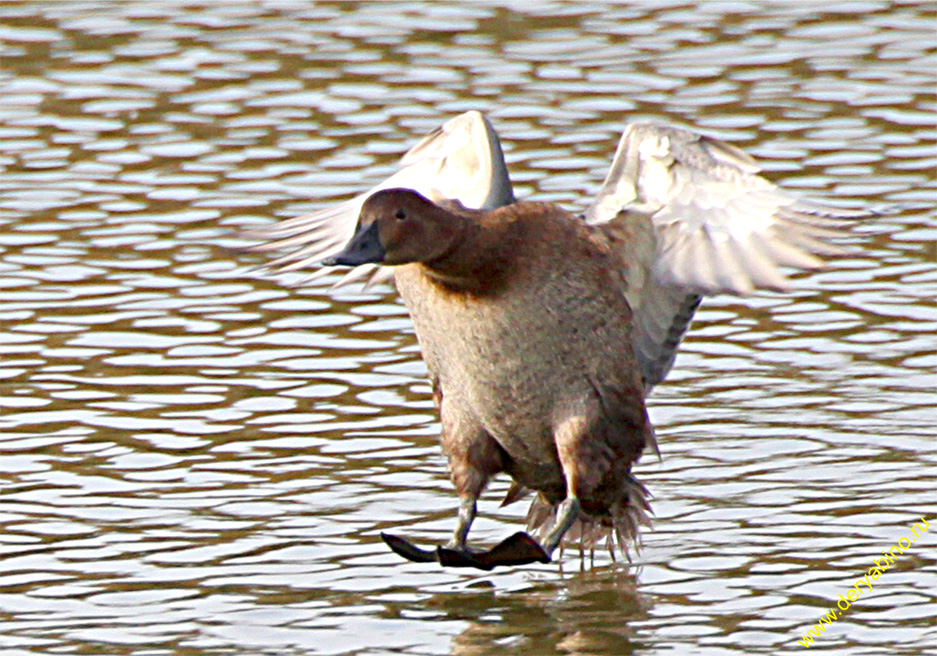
<point x="534" y="341"/>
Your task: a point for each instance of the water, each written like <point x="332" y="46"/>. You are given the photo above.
<point x="198" y="458"/>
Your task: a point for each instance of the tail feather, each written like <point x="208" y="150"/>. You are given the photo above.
<point x="621" y="526"/>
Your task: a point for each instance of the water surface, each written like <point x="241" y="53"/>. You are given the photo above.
<point x="198" y="458"/>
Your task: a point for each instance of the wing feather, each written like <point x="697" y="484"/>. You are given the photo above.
<point x="720" y="227"/>
<point x="704" y="195"/>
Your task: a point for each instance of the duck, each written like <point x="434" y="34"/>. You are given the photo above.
<point x="544" y="331"/>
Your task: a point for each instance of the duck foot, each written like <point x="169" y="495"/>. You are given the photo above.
<point x="519" y="549"/>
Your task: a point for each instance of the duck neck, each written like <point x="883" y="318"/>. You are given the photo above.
<point x="480" y="257"/>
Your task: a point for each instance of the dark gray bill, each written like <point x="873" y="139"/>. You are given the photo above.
<point x="365" y="247"/>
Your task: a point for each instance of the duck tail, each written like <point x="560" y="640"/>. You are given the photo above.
<point x="629" y="515"/>
<point x="621" y="527"/>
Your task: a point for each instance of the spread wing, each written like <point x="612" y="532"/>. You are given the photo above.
<point x="719" y="228"/>
<point x="461" y="160"/>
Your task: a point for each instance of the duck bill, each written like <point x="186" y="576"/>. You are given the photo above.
<point x="364" y="248"/>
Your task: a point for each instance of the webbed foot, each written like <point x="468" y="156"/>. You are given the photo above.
<point x="519" y="549"/>
<point x="409" y="550"/>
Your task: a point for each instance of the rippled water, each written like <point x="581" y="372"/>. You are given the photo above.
<point x="198" y="457"/>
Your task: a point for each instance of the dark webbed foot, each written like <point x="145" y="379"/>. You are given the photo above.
<point x="409" y="550"/>
<point x="519" y="549"/>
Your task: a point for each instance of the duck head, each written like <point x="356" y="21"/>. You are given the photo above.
<point x="399" y="226"/>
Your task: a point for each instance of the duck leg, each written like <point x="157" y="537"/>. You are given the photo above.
<point x="518" y="549"/>
<point x="474" y="457"/>
<point x="467" y="510"/>
<point x="567" y="515"/>
<point x="405" y="548"/>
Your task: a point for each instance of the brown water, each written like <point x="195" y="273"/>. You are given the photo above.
<point x="198" y="458"/>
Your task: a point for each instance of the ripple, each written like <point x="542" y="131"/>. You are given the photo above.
<point x="182" y="439"/>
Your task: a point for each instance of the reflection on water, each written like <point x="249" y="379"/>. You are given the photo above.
<point x="198" y="458"/>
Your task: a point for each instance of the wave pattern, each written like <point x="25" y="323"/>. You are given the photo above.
<point x="196" y="458"/>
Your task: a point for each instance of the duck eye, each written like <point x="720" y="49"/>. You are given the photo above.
<point x="401" y="214"/>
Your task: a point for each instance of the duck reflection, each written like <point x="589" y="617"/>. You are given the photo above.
<point x="584" y="612"/>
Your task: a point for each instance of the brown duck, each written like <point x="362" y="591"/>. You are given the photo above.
<point x="544" y="331"/>
<point x="523" y="322"/>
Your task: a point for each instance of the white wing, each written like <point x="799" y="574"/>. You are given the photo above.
<point x="719" y="227"/>
<point x="461" y="160"/>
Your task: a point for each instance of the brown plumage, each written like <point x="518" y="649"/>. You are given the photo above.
<point x="523" y="321"/>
